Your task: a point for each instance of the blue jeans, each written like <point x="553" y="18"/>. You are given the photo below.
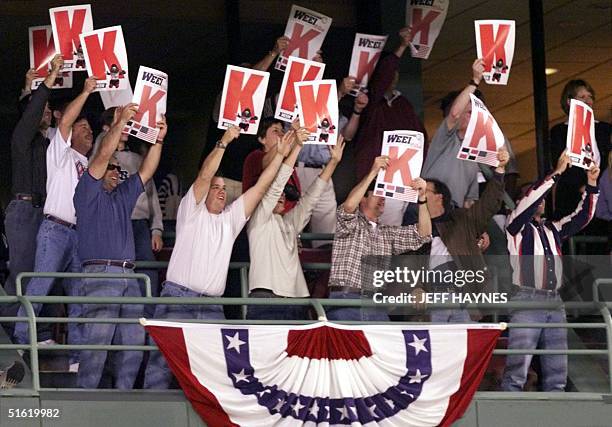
<point x="274" y="312"/>
<point x="124" y="364"/>
<point x="144" y="252"/>
<point x="450" y="315"/>
<point x="554" y="367"/>
<point x="21" y="223"/>
<point x="158" y="374"/>
<point x="56" y="250"/>
<point x="354" y="313"/>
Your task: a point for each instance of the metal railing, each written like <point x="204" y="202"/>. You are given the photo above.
<point x="319" y="306"/>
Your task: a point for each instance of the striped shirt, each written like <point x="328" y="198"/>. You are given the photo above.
<point x="535" y="247"/>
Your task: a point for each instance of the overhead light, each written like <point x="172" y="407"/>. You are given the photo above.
<point x="550" y="71"/>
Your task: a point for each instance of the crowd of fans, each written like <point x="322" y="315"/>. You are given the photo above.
<point x="81" y="206"/>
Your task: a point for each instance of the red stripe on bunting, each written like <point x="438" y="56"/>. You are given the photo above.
<point x="480" y="345"/>
<point x="171" y="342"/>
<point x="328" y="343"/>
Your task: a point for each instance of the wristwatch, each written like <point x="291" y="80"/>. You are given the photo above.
<point x="220" y="145"/>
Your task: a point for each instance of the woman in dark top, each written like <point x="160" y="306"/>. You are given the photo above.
<point x="569" y="187"/>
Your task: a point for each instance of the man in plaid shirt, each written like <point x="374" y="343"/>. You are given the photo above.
<point x="358" y="234"/>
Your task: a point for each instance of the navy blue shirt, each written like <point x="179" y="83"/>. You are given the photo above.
<point x="104" y="227"/>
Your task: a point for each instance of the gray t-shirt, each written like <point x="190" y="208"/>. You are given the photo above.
<point x="460" y="176"/>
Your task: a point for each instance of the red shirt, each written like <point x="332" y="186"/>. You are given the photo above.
<point x="252" y="169"/>
<point x="379" y="116"/>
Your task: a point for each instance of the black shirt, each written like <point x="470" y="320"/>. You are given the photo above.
<point x="29" y="147"/>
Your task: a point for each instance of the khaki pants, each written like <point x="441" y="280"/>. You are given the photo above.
<point x="323" y="218"/>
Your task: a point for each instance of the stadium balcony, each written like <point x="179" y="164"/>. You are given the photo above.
<point x="48" y="388"/>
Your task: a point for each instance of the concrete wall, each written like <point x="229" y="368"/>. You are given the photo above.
<point x="106" y="408"/>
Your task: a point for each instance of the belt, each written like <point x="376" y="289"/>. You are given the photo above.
<point x="310" y="165"/>
<point x="22" y="196"/>
<point x="268" y="293"/>
<point x="351" y="289"/>
<point x="125" y="264"/>
<point x="30" y="197"/>
<point x="534" y="291"/>
<point x="60" y="222"/>
<point x="185" y="288"/>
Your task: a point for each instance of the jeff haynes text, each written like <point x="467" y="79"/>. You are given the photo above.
<point x="442" y="297"/>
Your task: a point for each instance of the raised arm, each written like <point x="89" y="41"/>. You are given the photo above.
<point x="265" y="62"/>
<point x="151" y="160"/>
<point x="424" y="226"/>
<point x="73" y="109"/>
<point x="29" y="122"/>
<point x="335" y="152"/>
<point x="254" y="194"/>
<point x="351" y="204"/>
<point x="350" y="130"/>
<point x="577" y="220"/>
<point x="211" y="163"/>
<point x="98" y="164"/>
<point x="489" y="204"/>
<point x="463" y="99"/>
<point x="386" y="68"/>
<point x="528" y="205"/>
<point x="31" y="74"/>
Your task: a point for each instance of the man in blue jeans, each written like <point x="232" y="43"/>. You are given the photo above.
<point x="29" y="177"/>
<point x="535" y="245"/>
<point x="359" y="235"/>
<point x="106" y="245"/>
<point x="56" y="243"/>
<point x="205" y="232"/>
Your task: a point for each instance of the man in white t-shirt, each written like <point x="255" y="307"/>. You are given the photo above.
<point x="205" y="232"/>
<point x="56" y="243"/>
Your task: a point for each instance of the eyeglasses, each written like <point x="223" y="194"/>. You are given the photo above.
<point x="111" y="167"/>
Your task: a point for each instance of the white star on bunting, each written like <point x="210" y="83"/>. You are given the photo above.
<point x="234" y="342"/>
<point x="418" y="344"/>
<point x="417" y="377"/>
<point x="241" y="376"/>
<point x="279" y="405"/>
<point x="314" y="409"/>
<point x="297" y="406"/>
<point x="372" y="410"/>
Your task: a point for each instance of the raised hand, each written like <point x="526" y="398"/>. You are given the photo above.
<point x="361" y="101"/>
<point x="420" y="185"/>
<point x="380" y="163"/>
<point x="89" y="85"/>
<point x="405" y="35"/>
<point x="337" y="150"/>
<point x="562" y="164"/>
<point x="477" y="70"/>
<point x="232" y="133"/>
<point x="592" y="175"/>
<point x="163" y="129"/>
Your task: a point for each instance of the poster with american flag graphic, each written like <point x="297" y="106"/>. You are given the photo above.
<point x="405" y="151"/>
<point x="483" y="136"/>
